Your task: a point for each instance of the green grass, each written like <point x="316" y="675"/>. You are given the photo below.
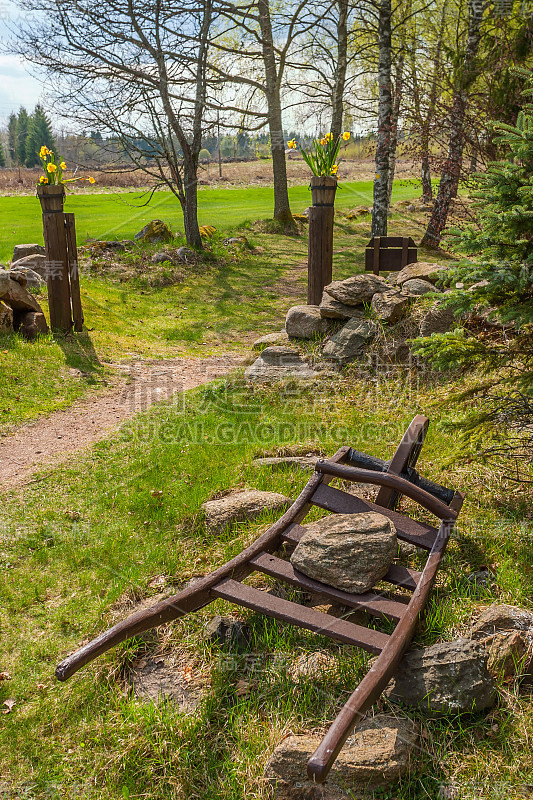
<point x="43" y="376"/>
<point x="87" y="539"/>
<point x="80" y="546"/>
<point x="224" y="304"/>
<point x="120" y="215"/>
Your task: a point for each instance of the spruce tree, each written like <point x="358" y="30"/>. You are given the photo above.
<point x="500" y="248"/>
<point x="39" y="134"/>
<point x="12" y="138"/>
<point x="21" y="134"/>
<point x="2" y="156"/>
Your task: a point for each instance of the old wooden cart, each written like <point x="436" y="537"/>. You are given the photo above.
<point x="394" y="479"/>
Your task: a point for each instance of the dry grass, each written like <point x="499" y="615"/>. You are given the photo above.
<point x="244" y="173"/>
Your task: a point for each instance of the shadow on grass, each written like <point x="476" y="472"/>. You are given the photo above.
<point x="79" y="352"/>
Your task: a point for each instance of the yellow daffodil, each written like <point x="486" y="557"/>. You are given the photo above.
<point x="91" y="180"/>
<point x="323" y="142"/>
<point x="43" y="179"/>
<point x="51" y="167"/>
<point x="334" y="169"/>
<point x="291" y="144"/>
<point x="328" y="137"/>
<point x="346" y="135"/>
<point x="44" y="151"/>
<point x="63" y="165"/>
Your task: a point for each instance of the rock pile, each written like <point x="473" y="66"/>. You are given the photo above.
<point x="19" y="310"/>
<point x="350" y="316"/>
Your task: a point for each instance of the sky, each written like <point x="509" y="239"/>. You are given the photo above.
<point x="17" y="86"/>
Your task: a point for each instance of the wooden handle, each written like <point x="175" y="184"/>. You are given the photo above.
<point x="425" y="499"/>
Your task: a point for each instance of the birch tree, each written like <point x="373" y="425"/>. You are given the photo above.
<point x="381" y="179"/>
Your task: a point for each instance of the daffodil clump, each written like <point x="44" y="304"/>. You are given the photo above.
<point x="322" y="157"/>
<point x="53" y="171"/>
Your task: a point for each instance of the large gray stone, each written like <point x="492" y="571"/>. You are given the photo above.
<point x="31" y="278"/>
<point x="437" y="320"/>
<point x="278" y="363"/>
<point x="351" y="340"/>
<point x="271" y="339"/>
<point x="332" y="309"/>
<point x="36" y="262"/>
<point x="240" y="506"/>
<point x="6" y="318"/>
<point x="420" y="269"/>
<point x="25" y="250"/>
<point x="357" y="290"/>
<point x="379" y="752"/>
<point x="418" y="286"/>
<point x="16" y="296"/>
<point x="391" y="306"/>
<point x="501" y="617"/>
<point x="304" y="322"/>
<point x="351" y="552"/>
<point x="445" y="678"/>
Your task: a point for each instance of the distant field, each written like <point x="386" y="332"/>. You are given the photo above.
<point x="120" y="215"/>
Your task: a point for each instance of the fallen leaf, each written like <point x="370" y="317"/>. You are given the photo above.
<point x="5" y="676"/>
<point x="9" y="705"/>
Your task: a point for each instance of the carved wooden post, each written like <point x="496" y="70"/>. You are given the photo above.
<point x="320" y="237"/>
<point x="55" y="242"/>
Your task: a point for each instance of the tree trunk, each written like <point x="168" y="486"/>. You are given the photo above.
<point x="339" y="81"/>
<point x="398" y="90"/>
<point x="425" y="172"/>
<point x="426" y="120"/>
<point x="190" y="203"/>
<point x="381" y="179"/>
<point x="451" y="171"/>
<point x="282" y="210"/>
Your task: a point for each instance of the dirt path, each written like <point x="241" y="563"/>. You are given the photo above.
<point x="49" y="440"/>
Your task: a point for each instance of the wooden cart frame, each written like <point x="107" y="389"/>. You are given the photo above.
<point x="394" y="479"/>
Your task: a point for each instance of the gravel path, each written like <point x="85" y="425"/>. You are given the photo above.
<point x="51" y="439"/>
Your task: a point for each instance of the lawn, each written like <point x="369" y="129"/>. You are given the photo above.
<point x="224" y="305"/>
<point x="89" y="540"/>
<point x="121" y="214"/>
<point x="119" y="523"/>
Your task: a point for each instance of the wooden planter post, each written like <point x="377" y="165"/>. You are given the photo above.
<point x="321" y="214"/>
<point x="58" y="260"/>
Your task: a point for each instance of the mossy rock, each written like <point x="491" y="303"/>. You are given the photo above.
<point x="155" y="232"/>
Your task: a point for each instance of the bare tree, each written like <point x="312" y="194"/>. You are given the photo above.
<point x="138" y="70"/>
<point x="253" y="52"/>
<point x="451" y="172"/>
